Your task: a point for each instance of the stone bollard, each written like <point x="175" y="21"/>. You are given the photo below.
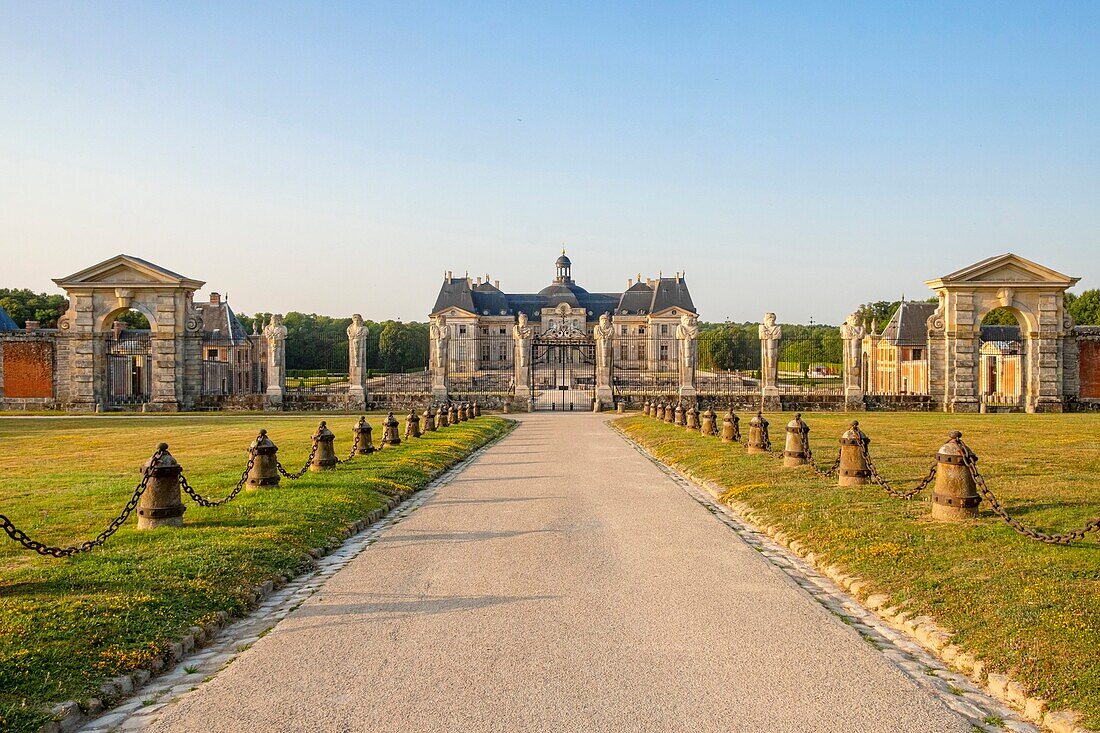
<point x="264" y="471"/>
<point x="691" y="418"/>
<point x="389" y="432"/>
<point x="794" y="449"/>
<point x="325" y="457"/>
<point x="954" y="495"/>
<point x="597" y="406"/>
<point x="412" y="425"/>
<point x="853" y="469"/>
<point x="659" y="411"/>
<point x="678" y="415"/>
<point x="462" y="413"/>
<point x="161" y="504"/>
<point x="429" y="420"/>
<point x="708" y="425"/>
<point x="621" y="407"/>
<point x="453" y="414"/>
<point x="441" y="416"/>
<point x="477" y="409"/>
<point x="645" y="407"/>
<point x="362" y="431"/>
<point x="758" y="434"/>
<point x="506" y="408"/>
<point x="731" y="428"/>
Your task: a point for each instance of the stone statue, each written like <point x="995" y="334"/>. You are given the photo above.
<point x="275" y="335"/>
<point x="687" y="333"/>
<point x="522" y="335"/>
<point x="770" y="333"/>
<point x="853" y="332"/>
<point x="357" y="344"/>
<point x="440" y="336"/>
<point x="604" y="332"/>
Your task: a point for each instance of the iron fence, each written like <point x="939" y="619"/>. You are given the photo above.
<point x="812" y="365"/>
<point x="482" y="364"/>
<point x="643" y="365"/>
<point x="227" y="367"/>
<point x="316" y="362"/>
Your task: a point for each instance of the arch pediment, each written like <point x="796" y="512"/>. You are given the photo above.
<point x="130" y="271"/>
<point x="1007" y="269"/>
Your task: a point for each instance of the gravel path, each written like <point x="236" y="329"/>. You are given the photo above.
<point x="562" y="582"/>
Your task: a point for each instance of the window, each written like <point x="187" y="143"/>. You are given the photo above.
<point x="622" y="352"/>
<point x="664" y="352"/>
<point x="211" y="353"/>
<point x="503" y="353"/>
<point x="502" y="331"/>
<point x="917" y="354"/>
<point x="461" y="330"/>
<point x="641" y="330"/>
<point x="624" y="330"/>
<point x="485" y="332"/>
<point x="664" y="329"/>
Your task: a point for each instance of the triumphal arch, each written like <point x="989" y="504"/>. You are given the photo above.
<point x="1035" y="295"/>
<point x="100" y="364"/>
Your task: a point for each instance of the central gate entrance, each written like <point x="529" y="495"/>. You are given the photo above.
<point x="563" y="373"/>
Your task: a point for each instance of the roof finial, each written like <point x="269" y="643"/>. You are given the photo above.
<point x="563" y="247"/>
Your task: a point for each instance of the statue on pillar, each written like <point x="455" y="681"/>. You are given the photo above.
<point x="440" y="343"/>
<point x="357" y="362"/>
<point x="275" y="337"/>
<point x="853" y="332"/>
<point x="604" y="333"/>
<point x="770" y="333"/>
<point x="522" y="337"/>
<point x="687" y="333"/>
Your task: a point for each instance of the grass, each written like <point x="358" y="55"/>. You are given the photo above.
<point x="66" y="625"/>
<point x="1027" y="609"/>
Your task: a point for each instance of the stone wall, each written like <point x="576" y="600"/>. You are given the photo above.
<point x="1088" y="359"/>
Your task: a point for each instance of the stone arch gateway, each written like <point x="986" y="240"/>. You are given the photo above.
<point x="1035" y="295"/>
<point x="96" y="296"/>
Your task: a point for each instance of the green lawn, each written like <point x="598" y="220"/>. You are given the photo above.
<point x="1028" y="609"/>
<point x="68" y="624"/>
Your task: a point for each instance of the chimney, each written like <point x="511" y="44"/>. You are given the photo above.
<point x="629" y="283"/>
<point x="117" y="328"/>
<point x="215" y="298"/>
<point x="479" y="279"/>
<point x="496" y="284"/>
<point x="31" y="326"/>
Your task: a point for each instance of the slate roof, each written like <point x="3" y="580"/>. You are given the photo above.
<point x="909" y="324"/>
<point x="6" y="322"/>
<point x="1001" y="334"/>
<point x="642" y="298"/>
<point x="220" y="322"/>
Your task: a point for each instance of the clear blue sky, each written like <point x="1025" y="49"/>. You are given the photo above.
<point x="795" y="157"/>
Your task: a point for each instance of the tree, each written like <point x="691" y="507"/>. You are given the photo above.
<point x="1000" y="317"/>
<point x="24" y="305"/>
<point x="1085" y="308"/>
<point x="134" y="320"/>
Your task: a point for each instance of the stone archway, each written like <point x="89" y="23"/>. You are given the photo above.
<point x="96" y="296"/>
<point x="1035" y="295"/>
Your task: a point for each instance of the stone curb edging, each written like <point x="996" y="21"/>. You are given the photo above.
<point x="120" y="691"/>
<point x="933" y="638"/>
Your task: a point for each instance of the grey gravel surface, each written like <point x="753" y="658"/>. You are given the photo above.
<point x="562" y="582"/>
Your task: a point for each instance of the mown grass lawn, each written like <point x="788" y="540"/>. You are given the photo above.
<point x="68" y="624"/>
<point x="1026" y="608"/>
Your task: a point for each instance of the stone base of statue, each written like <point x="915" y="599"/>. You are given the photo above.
<point x="439" y="394"/>
<point x="769" y="400"/>
<point x="853" y="399"/>
<point x="605" y="395"/>
<point x="522" y="395"/>
<point x="687" y="394"/>
<point x="273" y="399"/>
<point x="357" y="398"/>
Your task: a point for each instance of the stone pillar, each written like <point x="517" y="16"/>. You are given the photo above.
<point x="604" y="334"/>
<point x="275" y="340"/>
<point x="1045" y="392"/>
<point x="357" y="363"/>
<point x="937" y="357"/>
<point x="770" y="333"/>
<point x="440" y="357"/>
<point x="853" y="332"/>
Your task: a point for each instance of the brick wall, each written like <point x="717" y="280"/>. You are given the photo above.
<point x="1089" y="355"/>
<point x="28" y="369"/>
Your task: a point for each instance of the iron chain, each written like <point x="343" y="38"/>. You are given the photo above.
<point x="879" y="479"/>
<point x="1061" y="538"/>
<point x="302" y="472"/>
<point x="203" y="501"/>
<point x="823" y="472"/>
<point x="21" y="537"/>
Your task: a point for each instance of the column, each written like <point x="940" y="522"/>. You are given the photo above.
<point x="357" y="363"/>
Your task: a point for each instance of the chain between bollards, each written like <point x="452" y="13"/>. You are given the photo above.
<point x="302" y="472"/>
<point x="42" y="549"/>
<point x="203" y="501"/>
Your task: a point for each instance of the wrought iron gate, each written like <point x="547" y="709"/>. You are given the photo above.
<point x="563" y="373"/>
<point x="129" y="368"/>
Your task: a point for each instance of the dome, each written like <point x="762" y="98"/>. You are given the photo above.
<point x="563" y="261"/>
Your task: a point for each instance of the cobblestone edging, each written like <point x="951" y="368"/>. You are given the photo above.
<point x="915" y="644"/>
<point x="205" y="650"/>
